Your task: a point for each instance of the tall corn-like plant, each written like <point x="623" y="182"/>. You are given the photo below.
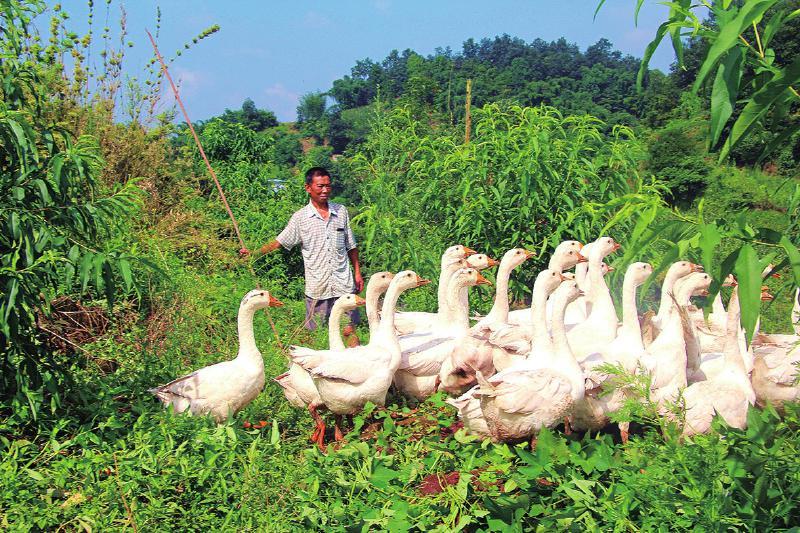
<point x="52" y="217"/>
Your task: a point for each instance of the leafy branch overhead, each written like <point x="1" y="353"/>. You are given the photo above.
<point x="749" y="84"/>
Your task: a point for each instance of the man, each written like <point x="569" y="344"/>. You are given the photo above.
<point x="322" y="229"/>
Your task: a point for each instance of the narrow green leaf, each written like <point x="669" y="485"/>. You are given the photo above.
<point x="709" y="240"/>
<point x="639" y="4"/>
<point x="108" y="283"/>
<point x="794" y="258"/>
<point x="724" y="93"/>
<point x="728" y="37"/>
<point x="85" y="269"/>
<point x="649" y="50"/>
<point x="13" y="288"/>
<point x="748" y="275"/>
<point x="777" y="141"/>
<point x="597" y="10"/>
<point x="760" y="103"/>
<point x="125" y="272"/>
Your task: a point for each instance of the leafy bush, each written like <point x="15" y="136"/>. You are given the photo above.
<point x="529" y="177"/>
<point x="677" y="158"/>
<point x="54" y="217"/>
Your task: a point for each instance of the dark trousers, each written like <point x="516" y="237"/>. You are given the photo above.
<point x="322" y="308"/>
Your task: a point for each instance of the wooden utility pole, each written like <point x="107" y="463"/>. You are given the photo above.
<point x="468" y="119"/>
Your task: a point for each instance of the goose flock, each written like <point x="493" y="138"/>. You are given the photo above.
<point x="512" y="373"/>
<point x="515" y="372"/>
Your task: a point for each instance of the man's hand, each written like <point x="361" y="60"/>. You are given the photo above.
<point x="244" y="252"/>
<point x="359" y="282"/>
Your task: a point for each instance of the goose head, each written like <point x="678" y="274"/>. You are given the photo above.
<point x="639" y="272"/>
<point x="695" y="284"/>
<point x="568" y="275"/>
<point x="480" y="261"/>
<point x="567" y="292"/>
<point x="408" y="279"/>
<point x="603" y="246"/>
<point x="548" y="280"/>
<point x="516" y="256"/>
<point x="567" y="255"/>
<point x="458" y="252"/>
<point x="680" y="269"/>
<point x="766" y="296"/>
<point x="259" y="299"/>
<point x="351" y="301"/>
<point x="379" y="281"/>
<point x="469" y="277"/>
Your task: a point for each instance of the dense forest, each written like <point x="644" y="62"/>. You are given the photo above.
<point x="121" y="270"/>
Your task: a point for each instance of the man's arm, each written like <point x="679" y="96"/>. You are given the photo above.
<point x="271" y="246"/>
<point x="289" y="237"/>
<point x="353" y="255"/>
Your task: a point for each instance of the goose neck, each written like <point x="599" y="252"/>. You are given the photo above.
<point x="665" y="305"/>
<point x="731" y="353"/>
<point x="630" y="314"/>
<point x="562" y="351"/>
<point x="499" y="311"/>
<point x="387" y="311"/>
<point x="457" y="312"/>
<point x="247" y="339"/>
<point x="373" y="318"/>
<point x="540" y="337"/>
<point x="334" y="336"/>
<point x="448" y="268"/>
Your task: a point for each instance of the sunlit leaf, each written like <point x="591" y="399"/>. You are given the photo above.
<point x="748" y="276"/>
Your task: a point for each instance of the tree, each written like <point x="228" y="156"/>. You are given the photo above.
<point x="311" y="107"/>
<point x="251" y="117"/>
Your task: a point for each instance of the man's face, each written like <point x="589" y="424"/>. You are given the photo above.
<point x="320" y="189"/>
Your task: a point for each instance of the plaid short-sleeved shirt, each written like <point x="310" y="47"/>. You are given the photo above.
<point x="325" y="244"/>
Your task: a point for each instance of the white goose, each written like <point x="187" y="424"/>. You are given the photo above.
<point x="728" y="393"/>
<point x="470" y="413"/>
<point x="626" y="349"/>
<point x="538" y="392"/>
<point x="600" y="327"/>
<point x="473" y="351"/>
<point x="653" y="325"/>
<point x="224" y="388"/>
<point x="297" y="385"/>
<point x="665" y="358"/>
<point x="422" y="356"/>
<point x="417" y="321"/>
<point x="566" y="255"/>
<point x="775" y="367"/>
<point x="348" y="379"/>
<point x="514" y="343"/>
<point x="377" y="285"/>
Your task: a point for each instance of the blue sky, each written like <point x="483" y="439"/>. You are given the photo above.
<point x="276" y="51"/>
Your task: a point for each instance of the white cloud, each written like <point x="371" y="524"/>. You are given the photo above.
<point x="282" y="101"/>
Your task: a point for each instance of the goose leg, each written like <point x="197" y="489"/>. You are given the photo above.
<point x="318" y="436"/>
<point x="567" y="427"/>
<point x="623" y="431"/>
<point x="337" y="434"/>
<point x="533" y="443"/>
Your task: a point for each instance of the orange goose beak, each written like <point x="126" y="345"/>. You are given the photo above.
<point x="483" y="281"/>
